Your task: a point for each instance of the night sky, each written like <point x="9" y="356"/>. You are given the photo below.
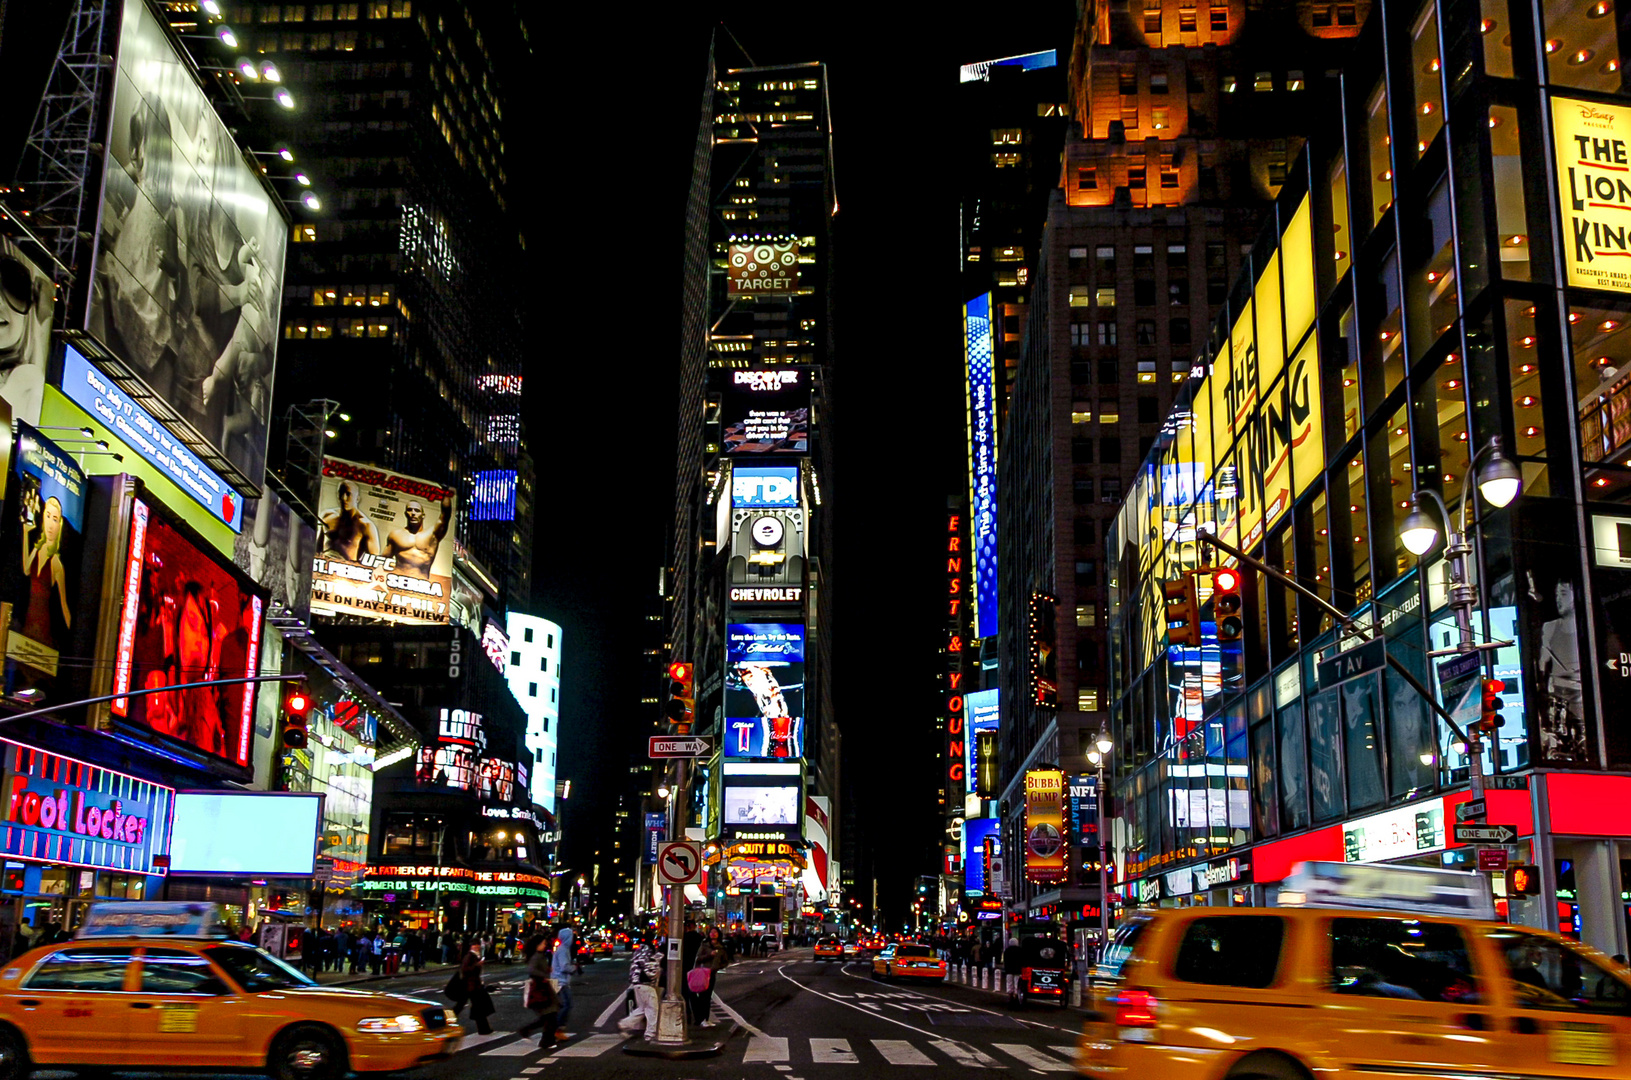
<point x="615" y="122"/>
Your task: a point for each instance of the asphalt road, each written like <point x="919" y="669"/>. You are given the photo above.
<point x="789" y="1018"/>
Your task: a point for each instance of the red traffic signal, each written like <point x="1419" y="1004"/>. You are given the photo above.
<point x="1226" y="605"/>
<point x="1489" y="717"/>
<point x="1183" y="610"/>
<point x="681" y="705"/>
<point x="295" y="708"/>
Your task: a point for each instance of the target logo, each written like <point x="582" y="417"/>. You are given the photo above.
<point x="763" y="268"/>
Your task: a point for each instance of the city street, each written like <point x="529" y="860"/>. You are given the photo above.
<point x="789" y="1016"/>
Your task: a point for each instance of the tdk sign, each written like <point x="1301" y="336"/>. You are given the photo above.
<point x="755" y="486"/>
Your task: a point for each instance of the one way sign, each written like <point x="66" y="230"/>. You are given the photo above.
<point x="679" y="862"/>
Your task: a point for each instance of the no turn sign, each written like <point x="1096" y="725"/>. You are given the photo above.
<point x="679" y="862"/>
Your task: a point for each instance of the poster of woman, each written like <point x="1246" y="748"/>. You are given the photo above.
<point x="49" y="509"/>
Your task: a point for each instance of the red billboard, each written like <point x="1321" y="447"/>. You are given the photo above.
<point x="186" y="617"/>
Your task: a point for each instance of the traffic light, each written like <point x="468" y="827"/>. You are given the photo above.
<point x="1523" y="881"/>
<point x="1226" y="604"/>
<point x="1183" y="611"/>
<point x="295" y="707"/>
<point x="1489" y="717"/>
<point x="681" y="703"/>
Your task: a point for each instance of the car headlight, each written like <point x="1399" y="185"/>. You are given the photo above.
<point x="450" y="1016"/>
<point x="391" y="1025"/>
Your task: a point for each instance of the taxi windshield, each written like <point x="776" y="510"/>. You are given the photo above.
<point x="256" y="971"/>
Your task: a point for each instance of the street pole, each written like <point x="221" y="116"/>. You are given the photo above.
<point x="1104" y="870"/>
<point x="671" y="1010"/>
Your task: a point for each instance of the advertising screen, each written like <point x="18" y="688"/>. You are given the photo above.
<point x="1044" y="825"/>
<point x="48" y="529"/>
<point x="91" y="389"/>
<point x="762" y="267"/>
<point x="975" y="833"/>
<point x="275" y="550"/>
<point x="383" y="550"/>
<point x="212" y="833"/>
<point x="186" y="618"/>
<point x="496" y="782"/>
<point x="765" y="486"/>
<point x="767" y="557"/>
<point x="1084" y="808"/>
<point x="492" y="496"/>
<point x="455" y="758"/>
<point x="981" y="399"/>
<point x="26" y="307"/>
<point x="766" y="412"/>
<point x="189" y="255"/>
<point x="764" y="690"/>
<point x="770" y="803"/>
<point x="980" y="708"/>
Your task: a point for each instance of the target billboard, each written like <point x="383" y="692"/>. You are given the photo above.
<point x="767" y="266"/>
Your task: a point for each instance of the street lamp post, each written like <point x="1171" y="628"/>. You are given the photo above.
<point x="1097" y="758"/>
<point x="1499" y="481"/>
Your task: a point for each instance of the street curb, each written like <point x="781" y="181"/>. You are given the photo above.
<point x="427" y="970"/>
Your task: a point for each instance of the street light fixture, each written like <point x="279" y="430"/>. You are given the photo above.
<point x="1499" y="481"/>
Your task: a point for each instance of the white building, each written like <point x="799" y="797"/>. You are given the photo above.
<point x="534" y="672"/>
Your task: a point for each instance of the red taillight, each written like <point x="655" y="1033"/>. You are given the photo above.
<point x="1134" y="1008"/>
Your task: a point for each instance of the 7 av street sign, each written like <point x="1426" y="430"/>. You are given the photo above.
<point x="1484" y="834"/>
<point x="662" y="747"/>
<point x="1360" y="660"/>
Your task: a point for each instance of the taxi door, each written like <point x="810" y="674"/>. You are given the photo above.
<point x="1409" y="996"/>
<point x="72" y="1007"/>
<point x="1568" y="1014"/>
<point x="184" y="1014"/>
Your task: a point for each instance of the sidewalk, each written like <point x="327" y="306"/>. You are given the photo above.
<point x="345" y="978"/>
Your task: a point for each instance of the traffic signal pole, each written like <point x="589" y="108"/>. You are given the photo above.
<point x="671" y="1009"/>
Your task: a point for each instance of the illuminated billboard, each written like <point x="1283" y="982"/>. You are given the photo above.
<point x="89" y="388"/>
<point x="1044" y="825"/>
<point x="766" y="411"/>
<point x="980" y="710"/>
<point x="186" y="618"/>
<point x="762" y="266"/>
<point x="275" y="550"/>
<point x="981" y="399"/>
<point x="382" y="550"/>
<point x="765" y="486"/>
<point x="975" y="834"/>
<point x="48" y="529"/>
<point x="764" y="690"/>
<point x="1594" y="191"/>
<point x="27" y="303"/>
<point x="980" y="71"/>
<point x="188" y="255"/>
<point x="763" y="802"/>
<point x="766" y="556"/>
<point x="492" y="495"/>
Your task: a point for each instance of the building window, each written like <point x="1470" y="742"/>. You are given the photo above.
<point x="1007" y="136"/>
<point x="1220" y="19"/>
<point x="1160" y="120"/>
<point x="526" y="635"/>
<point x="1158" y="82"/>
<point x="1143" y="292"/>
<point x="1086" y="571"/>
<point x="1087" y="699"/>
<point x="1087" y="177"/>
<point x="1109" y="374"/>
<point x="1178" y="292"/>
<point x="1322" y="16"/>
<point x="1107" y="332"/>
<point x="1082" y="491"/>
<point x="1228" y="86"/>
<point x="1085" y="532"/>
<point x="1107" y="259"/>
<point x="1109" y="411"/>
<point x="1146" y="371"/>
<point x="1144" y="332"/>
<point x="1294" y="80"/>
<point x="532" y="689"/>
<point x="515" y="659"/>
<point x="1005" y="160"/>
<point x="1081" y="371"/>
<point x="1105" y="296"/>
<point x="1186" y="22"/>
<point x="1178" y="331"/>
<point x="1129" y="116"/>
<point x="543" y="663"/>
<point x="1078" y="255"/>
<point x="1129" y="81"/>
<point x="1152" y="22"/>
<point x="1347" y="15"/>
<point x="1081" y="451"/>
<point x="1081" y="334"/>
<point x="1110" y="490"/>
<point x="1147" y="411"/>
<point x="1080" y="296"/>
<point x="1081" y="412"/>
<point x="1264" y="81"/>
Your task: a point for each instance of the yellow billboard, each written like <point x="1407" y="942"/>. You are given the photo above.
<point x="1044" y="825"/>
<point x="1594" y="190"/>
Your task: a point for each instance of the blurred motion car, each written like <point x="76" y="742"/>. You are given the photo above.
<point x="156" y="986"/>
<point x="908" y="962"/>
<point x="1411" y="976"/>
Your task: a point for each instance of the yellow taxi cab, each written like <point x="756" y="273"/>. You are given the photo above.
<point x="908" y="962"/>
<point x="829" y="949"/>
<point x="174" y="994"/>
<point x="1371" y="972"/>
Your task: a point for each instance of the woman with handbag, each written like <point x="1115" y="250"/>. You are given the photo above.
<point x="481" y="1003"/>
<point x="539" y="992"/>
<point x="699" y="981"/>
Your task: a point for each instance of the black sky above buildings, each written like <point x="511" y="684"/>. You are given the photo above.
<point x="613" y="129"/>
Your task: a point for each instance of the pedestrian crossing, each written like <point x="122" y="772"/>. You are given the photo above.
<point x="779" y="1051"/>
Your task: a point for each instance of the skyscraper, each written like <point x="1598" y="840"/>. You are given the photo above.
<point x="749" y="603"/>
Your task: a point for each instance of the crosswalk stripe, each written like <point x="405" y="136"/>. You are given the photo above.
<point x="470" y="1042"/>
<point x="901" y="1052"/>
<point x="766" y="1048"/>
<point x="1069" y="1053"/>
<point x="518" y="1048"/>
<point x="593" y="1046"/>
<point x="964" y="1055"/>
<point x="1032" y="1058"/>
<point x="832" y="1052"/>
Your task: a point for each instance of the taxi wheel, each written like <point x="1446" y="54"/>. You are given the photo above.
<point x="1267" y="1066"/>
<point x="306" y="1052"/>
<point x="14" y="1063"/>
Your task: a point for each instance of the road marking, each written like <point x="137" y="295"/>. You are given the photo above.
<point x="964" y="1055"/>
<point x="766" y="1048"/>
<point x="531" y="1070"/>
<point x="741" y="1020"/>
<point x="1033" y="1058"/>
<point x="966" y="1005"/>
<point x="1069" y="1053"/>
<point x="518" y="1048"/>
<point x="593" y="1046"/>
<point x="901" y="1052"/>
<point x="832" y="1052"/>
<point x="782" y="971"/>
<point x="616" y="1004"/>
<point x="470" y="1042"/>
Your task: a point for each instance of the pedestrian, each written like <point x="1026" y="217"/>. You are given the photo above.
<point x="481" y="1002"/>
<point x="560" y="969"/>
<point x="1013" y="962"/>
<point x="643" y="983"/>
<point x="376" y="959"/>
<point x="539" y="993"/>
<point x="699" y="978"/>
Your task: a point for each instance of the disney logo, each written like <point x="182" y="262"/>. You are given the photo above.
<point x="1589" y="113"/>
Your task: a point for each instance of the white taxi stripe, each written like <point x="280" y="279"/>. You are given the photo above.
<point x="1033" y="1058"/>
